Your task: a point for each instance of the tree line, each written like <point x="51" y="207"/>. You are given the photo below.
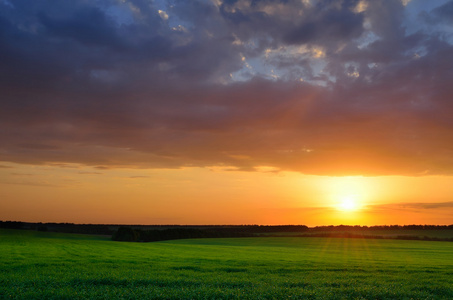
<point x="149" y="233"/>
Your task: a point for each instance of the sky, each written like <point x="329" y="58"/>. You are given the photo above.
<point x="310" y="112"/>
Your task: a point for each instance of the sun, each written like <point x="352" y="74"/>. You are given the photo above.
<point x="348" y="203"/>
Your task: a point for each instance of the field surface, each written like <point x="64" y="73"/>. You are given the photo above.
<point x="36" y="265"/>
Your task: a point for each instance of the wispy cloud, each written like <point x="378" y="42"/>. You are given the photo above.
<point x="90" y="173"/>
<point x="22" y="174"/>
<point x="37" y="183"/>
<point x="415" y="206"/>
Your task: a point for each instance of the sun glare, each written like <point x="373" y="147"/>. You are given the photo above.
<point x="348" y="203"/>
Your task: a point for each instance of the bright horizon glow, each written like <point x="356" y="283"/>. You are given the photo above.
<point x="215" y="196"/>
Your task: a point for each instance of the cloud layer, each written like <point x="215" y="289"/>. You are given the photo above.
<point x="317" y="87"/>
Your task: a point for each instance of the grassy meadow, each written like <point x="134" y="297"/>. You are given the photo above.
<point x="41" y="265"/>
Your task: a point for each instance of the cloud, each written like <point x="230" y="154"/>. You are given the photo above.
<point x="32" y="183"/>
<point x="415" y="206"/>
<point x="245" y="85"/>
<point x="444" y="12"/>
<point x="327" y="23"/>
<point x="90" y="173"/>
<point x="22" y="174"/>
<point x="430" y="205"/>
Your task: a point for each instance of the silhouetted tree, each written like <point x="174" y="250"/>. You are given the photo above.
<point x="126" y="234"/>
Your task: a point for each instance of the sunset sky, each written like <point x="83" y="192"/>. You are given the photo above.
<point x="312" y="112"/>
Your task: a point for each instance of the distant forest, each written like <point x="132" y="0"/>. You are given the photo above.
<point x="151" y="233"/>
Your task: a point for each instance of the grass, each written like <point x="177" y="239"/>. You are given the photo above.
<point x="36" y="265"/>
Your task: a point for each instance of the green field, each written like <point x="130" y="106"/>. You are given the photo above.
<point x="37" y="265"/>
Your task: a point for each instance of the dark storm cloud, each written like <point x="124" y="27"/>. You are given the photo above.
<point x="141" y="84"/>
<point x="329" y="23"/>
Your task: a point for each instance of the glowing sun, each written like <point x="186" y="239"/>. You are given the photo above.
<point x="348" y="203"/>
